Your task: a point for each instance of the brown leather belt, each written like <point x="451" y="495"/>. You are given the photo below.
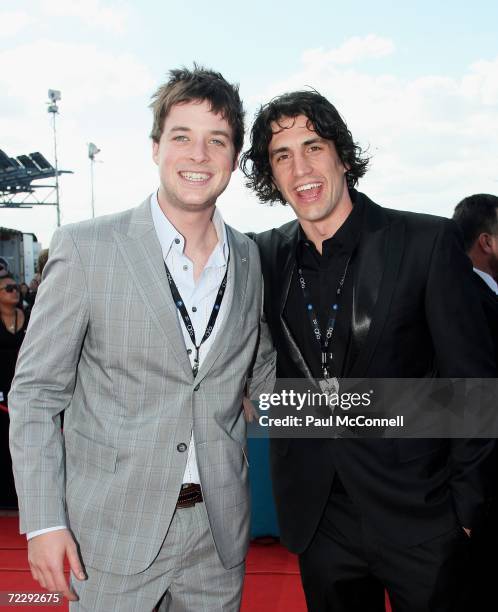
<point x="190" y="494"/>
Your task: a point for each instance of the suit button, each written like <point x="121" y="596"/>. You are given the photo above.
<point x="182" y="447"/>
<point x="197" y="387"/>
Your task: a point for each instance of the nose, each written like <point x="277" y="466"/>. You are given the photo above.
<point x="302" y="165"/>
<point x="199" y="151"/>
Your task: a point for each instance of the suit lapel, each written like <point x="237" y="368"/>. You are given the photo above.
<point x="238" y="272"/>
<point x="285" y="269"/>
<point x="141" y="252"/>
<point x="375" y="272"/>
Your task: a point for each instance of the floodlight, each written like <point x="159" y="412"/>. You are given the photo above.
<point x="54" y="95"/>
<point x="28" y="163"/>
<point x="40" y="161"/>
<point x="5" y="161"/>
<point x="92" y="150"/>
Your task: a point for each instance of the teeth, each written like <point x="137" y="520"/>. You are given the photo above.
<point x="308" y="186"/>
<point x="195" y="176"/>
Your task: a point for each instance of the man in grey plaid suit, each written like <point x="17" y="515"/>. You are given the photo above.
<point x="146" y="332"/>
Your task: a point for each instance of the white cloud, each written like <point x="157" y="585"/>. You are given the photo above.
<point x="93" y="13"/>
<point x="432" y="138"/>
<point x="12" y="22"/>
<point x="353" y="50"/>
<point x="83" y="72"/>
<point x="482" y="82"/>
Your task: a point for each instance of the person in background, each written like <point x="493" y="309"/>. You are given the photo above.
<point x="42" y="261"/>
<point x="23" y="292"/>
<point x="32" y="291"/>
<point x="477" y="217"/>
<point x="13" y="322"/>
<point x="4" y="268"/>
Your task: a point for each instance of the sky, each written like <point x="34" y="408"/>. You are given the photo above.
<point x="417" y="84"/>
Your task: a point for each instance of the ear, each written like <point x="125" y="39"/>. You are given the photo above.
<point x="485" y="242"/>
<point x="155" y="152"/>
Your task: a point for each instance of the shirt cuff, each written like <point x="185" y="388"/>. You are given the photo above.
<point x="33" y="534"/>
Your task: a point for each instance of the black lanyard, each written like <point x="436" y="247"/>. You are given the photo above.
<point x="322" y="339"/>
<point x="179" y="303"/>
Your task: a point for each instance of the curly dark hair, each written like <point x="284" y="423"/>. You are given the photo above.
<point x="200" y="84"/>
<point x="325" y="120"/>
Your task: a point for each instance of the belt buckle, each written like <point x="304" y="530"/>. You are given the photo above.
<point x="192" y="495"/>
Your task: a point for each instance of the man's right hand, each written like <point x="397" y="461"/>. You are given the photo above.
<point x="46" y="554"/>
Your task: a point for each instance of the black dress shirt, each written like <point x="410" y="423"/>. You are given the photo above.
<point x="323" y="274"/>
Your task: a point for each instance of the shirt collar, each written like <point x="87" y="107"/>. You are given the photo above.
<point x="171" y="239"/>
<point x="488" y="279"/>
<point x="347" y="236"/>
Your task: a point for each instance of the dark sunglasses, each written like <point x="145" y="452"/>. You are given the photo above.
<point x="10" y="288"/>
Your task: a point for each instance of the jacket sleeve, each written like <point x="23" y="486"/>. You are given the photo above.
<point x="262" y="374"/>
<point x="43" y="386"/>
<point x="463" y="349"/>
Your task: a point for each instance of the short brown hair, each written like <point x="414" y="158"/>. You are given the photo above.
<point x="200" y="84"/>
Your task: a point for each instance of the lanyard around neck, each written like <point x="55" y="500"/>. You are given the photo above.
<point x="323" y="340"/>
<point x="180" y="304"/>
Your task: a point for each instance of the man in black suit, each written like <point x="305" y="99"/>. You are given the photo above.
<point x="477" y="217"/>
<point x="389" y="290"/>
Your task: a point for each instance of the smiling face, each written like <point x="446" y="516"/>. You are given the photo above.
<point x="307" y="171"/>
<point x="195" y="156"/>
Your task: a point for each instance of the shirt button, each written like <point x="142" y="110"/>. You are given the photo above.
<point x="194" y="309"/>
<point x="189" y="351"/>
<point x="197" y="387"/>
<point x="177" y="240"/>
<point x="185" y="268"/>
<point x="182" y="447"/>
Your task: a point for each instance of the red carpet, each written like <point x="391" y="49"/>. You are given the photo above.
<point x="272" y="581"/>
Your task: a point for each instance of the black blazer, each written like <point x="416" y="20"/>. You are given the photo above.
<point x="414" y="314"/>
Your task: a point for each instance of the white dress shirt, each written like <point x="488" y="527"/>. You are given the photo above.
<point x="198" y="298"/>
<point x="488" y="279"/>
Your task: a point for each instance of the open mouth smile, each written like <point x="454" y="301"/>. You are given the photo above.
<point x="195" y="177"/>
<point x="309" y="191"/>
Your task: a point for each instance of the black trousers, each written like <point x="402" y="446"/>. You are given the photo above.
<point x="482" y="596"/>
<point x="346" y="568"/>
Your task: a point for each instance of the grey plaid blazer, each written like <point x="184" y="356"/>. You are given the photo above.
<point x="104" y="345"/>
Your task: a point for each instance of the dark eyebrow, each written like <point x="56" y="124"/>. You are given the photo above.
<point x="179" y="128"/>
<point x="312" y="141"/>
<point x="279" y="150"/>
<point x="220" y="133"/>
<point x="182" y="128"/>
<point x="306" y="143"/>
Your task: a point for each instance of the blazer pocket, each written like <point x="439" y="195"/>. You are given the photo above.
<point x="413" y="448"/>
<point x="87" y="451"/>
